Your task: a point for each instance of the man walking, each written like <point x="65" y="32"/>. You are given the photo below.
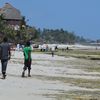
<point x="27" y="59"/>
<point x="5" y="56"/>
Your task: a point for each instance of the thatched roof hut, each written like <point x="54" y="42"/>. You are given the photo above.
<point x="11" y="14"/>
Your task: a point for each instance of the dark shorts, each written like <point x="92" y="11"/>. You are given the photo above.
<point x="27" y="64"/>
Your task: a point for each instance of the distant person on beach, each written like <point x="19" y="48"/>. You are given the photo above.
<point x="27" y="59"/>
<point x="52" y="51"/>
<point x="5" y="55"/>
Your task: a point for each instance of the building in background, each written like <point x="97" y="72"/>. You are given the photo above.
<point x="11" y="15"/>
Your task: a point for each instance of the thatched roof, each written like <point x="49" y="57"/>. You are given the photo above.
<point x="10" y="12"/>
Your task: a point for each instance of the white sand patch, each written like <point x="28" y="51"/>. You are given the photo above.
<point x="17" y="88"/>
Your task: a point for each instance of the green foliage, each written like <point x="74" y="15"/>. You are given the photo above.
<point x="23" y="23"/>
<point x="23" y="34"/>
<point x="58" y="36"/>
<point x="26" y="32"/>
<point x="2" y="23"/>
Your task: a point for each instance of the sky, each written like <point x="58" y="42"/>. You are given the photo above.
<point x="79" y="16"/>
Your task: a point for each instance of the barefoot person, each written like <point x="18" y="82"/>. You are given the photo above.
<point x="4" y="55"/>
<point x="27" y="59"/>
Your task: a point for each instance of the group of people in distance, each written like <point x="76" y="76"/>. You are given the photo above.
<point x="5" y="55"/>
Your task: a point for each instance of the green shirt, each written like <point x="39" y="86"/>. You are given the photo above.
<point x="27" y="52"/>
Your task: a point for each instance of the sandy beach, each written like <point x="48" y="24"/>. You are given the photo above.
<point x="53" y="78"/>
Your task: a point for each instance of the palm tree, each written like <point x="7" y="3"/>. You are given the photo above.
<point x="2" y="23"/>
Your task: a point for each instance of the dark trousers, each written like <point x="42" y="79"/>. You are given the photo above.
<point x="4" y="66"/>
